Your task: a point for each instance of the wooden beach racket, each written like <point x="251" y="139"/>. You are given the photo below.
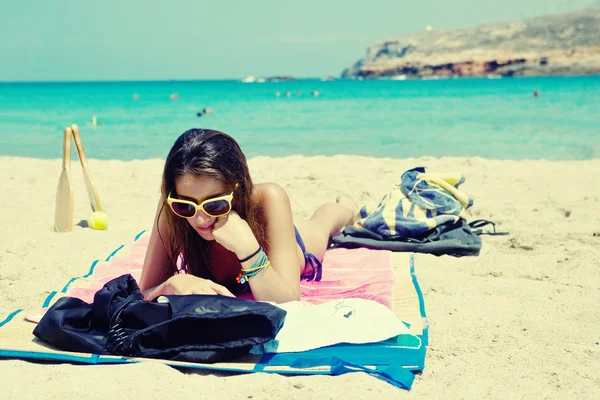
<point x="65" y="195"/>
<point x="87" y="176"/>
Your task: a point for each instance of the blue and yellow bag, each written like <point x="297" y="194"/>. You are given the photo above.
<point x="418" y="204"/>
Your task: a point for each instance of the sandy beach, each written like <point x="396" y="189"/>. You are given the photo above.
<point x="519" y="321"/>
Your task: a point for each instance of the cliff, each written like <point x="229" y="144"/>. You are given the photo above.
<point x="561" y="44"/>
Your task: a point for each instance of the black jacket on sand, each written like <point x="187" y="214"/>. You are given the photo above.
<point x="194" y="328"/>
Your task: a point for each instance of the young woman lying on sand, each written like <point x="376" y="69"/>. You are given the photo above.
<point x="229" y="232"/>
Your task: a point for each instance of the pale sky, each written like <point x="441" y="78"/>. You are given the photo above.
<point x="75" y="40"/>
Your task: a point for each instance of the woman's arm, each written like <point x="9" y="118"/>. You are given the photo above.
<point x="156" y="262"/>
<point x="280" y="282"/>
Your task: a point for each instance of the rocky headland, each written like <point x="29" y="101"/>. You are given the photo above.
<point x="560" y="44"/>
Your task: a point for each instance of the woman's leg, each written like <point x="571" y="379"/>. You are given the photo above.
<point x="327" y="221"/>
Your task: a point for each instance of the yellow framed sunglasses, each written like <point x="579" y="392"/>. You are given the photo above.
<point x="215" y="207"/>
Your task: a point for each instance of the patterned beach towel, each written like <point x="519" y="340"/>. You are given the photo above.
<point x="359" y="273"/>
<point x="419" y="203"/>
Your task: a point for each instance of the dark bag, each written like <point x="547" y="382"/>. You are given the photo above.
<point x="195" y="328"/>
<point x="456" y="239"/>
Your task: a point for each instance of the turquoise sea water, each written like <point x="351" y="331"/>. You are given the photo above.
<point x="491" y="118"/>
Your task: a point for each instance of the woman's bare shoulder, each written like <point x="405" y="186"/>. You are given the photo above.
<point x="268" y="192"/>
<point x="270" y="197"/>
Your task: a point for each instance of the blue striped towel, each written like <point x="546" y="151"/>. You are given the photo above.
<point x="419" y="203"/>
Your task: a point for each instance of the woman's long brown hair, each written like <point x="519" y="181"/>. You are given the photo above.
<point x="203" y="152"/>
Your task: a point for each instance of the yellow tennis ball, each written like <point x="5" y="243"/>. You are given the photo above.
<point x="98" y="221"/>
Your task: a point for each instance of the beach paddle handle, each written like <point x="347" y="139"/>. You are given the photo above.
<point x="67" y="147"/>
<point x="79" y="145"/>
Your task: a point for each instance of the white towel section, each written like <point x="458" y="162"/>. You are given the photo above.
<point x="309" y="326"/>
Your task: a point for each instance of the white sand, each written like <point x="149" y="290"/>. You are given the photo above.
<point x="520" y="320"/>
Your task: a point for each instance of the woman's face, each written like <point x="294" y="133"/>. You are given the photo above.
<point x="198" y="189"/>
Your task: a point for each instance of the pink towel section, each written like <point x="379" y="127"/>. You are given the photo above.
<point x="356" y="273"/>
<point x="353" y="273"/>
<point x="347" y="273"/>
<point x="128" y="260"/>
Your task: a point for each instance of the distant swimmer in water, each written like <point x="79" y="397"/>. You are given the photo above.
<point x="315" y="93"/>
<point x="174" y="96"/>
<point x="95" y="121"/>
<point x="536" y="93"/>
<point x="205" y="111"/>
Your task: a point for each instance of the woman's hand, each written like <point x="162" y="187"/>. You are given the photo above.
<point x="186" y="284"/>
<point x="233" y="233"/>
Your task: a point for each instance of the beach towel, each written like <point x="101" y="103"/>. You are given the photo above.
<point x="453" y="239"/>
<point x="391" y="360"/>
<point x="359" y="273"/>
<point x="337" y="321"/>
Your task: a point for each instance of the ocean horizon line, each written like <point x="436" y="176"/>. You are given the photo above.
<point x="75" y="159"/>
<point x="238" y="79"/>
<point x="295" y="78"/>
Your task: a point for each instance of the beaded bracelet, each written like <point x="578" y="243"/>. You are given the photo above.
<point x="261" y="263"/>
